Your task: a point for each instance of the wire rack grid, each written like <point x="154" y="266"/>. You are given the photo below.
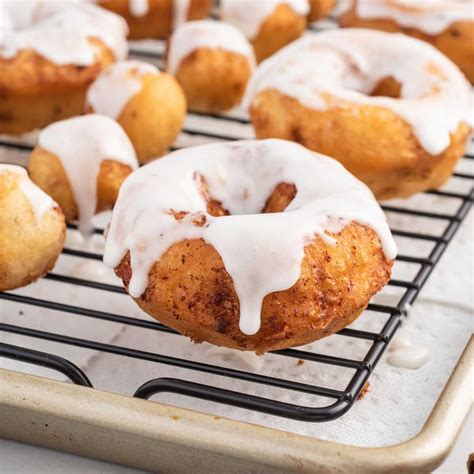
<point x="201" y="128"/>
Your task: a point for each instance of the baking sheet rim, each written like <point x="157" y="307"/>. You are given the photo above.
<point x="152" y="435"/>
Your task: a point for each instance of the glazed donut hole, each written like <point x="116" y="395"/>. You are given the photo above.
<point x="32" y="230"/>
<point x="280" y="29"/>
<point x="83" y="179"/>
<point x="320" y="9"/>
<point x="269" y="25"/>
<point x="157" y="18"/>
<point x="213" y="62"/>
<point x="48" y="173"/>
<point x="148" y="104"/>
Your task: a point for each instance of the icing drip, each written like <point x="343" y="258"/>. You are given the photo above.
<point x="403" y="353"/>
<point x="138" y="8"/>
<point x="92" y="270"/>
<point x="249" y="15"/>
<point x="430" y="16"/>
<point x="61" y="33"/>
<point x="180" y="12"/>
<point x="332" y="67"/>
<point x="206" y="34"/>
<point x="40" y="202"/>
<point x="261" y="252"/>
<point x="116" y="85"/>
<point x="82" y="143"/>
<point x="409" y="357"/>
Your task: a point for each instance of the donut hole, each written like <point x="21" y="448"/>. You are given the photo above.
<point x="279" y="199"/>
<point x="387" y="87"/>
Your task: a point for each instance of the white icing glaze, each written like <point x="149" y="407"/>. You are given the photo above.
<point x="430" y="16"/>
<point x="261" y="252"/>
<point x="138" y="8"/>
<point x="411" y="357"/>
<point x="61" y="32"/>
<point x="346" y="65"/>
<point x="399" y="342"/>
<point x="206" y="34"/>
<point x="116" y="85"/>
<point x="92" y="270"/>
<point x="40" y="202"/>
<point x="249" y="15"/>
<point x="82" y="143"/>
<point x="180" y="12"/>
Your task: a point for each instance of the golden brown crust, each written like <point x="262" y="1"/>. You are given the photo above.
<point x="46" y="170"/>
<point x="154" y="117"/>
<point x="28" y="249"/>
<point x="190" y="291"/>
<point x="281" y="28"/>
<point x="320" y="9"/>
<point x="35" y="92"/>
<point x="157" y="23"/>
<point x="373" y="143"/>
<point x="213" y="80"/>
<point x="456" y="42"/>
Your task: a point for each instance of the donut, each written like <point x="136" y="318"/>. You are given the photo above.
<point x="157" y="18"/>
<point x="81" y="163"/>
<point x="320" y="9"/>
<point x="148" y="104"/>
<point x="49" y="53"/>
<point x="267" y="244"/>
<point x="32" y="229"/>
<point x="213" y="62"/>
<point x="446" y="24"/>
<point x="269" y="25"/>
<point x="392" y="109"/>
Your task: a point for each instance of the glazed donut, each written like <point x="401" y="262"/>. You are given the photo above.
<point x="267" y="245"/>
<point x="213" y="62"/>
<point x="446" y="24"/>
<point x="157" y="18"/>
<point x="320" y="9"/>
<point x="49" y="53"/>
<point x="32" y="229"/>
<point x="149" y="105"/>
<point x="269" y="25"/>
<point x="82" y="162"/>
<point x="392" y="109"/>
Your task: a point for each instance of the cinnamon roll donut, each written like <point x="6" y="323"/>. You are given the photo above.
<point x="267" y="245"/>
<point x="446" y="24"/>
<point x="49" y="54"/>
<point x="392" y="109"/>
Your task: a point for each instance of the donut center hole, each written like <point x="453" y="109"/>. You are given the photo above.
<point x="387" y="87"/>
<point x="279" y="199"/>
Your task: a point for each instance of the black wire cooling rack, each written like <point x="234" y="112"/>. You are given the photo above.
<point x="203" y="128"/>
